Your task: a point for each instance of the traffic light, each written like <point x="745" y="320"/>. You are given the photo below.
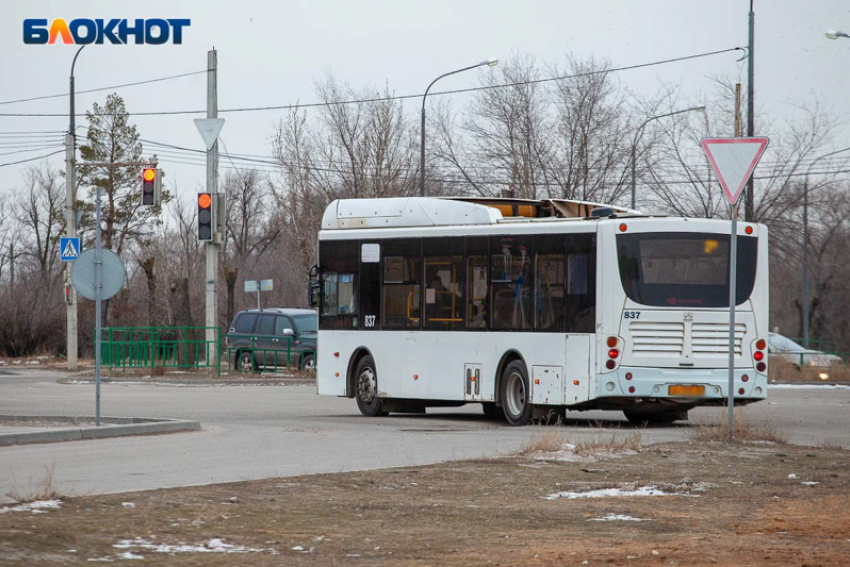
<point x="205" y="217"/>
<point x="151" y="186"/>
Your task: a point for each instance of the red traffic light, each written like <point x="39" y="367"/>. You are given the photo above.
<point x="204" y="200"/>
<point x="149" y="174"/>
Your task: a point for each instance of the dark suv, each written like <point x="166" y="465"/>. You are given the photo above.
<point x="270" y="338"/>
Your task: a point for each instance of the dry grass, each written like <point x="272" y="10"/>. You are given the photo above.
<point x="43" y="488"/>
<point x="785" y="372"/>
<point x="547" y="442"/>
<point x="743" y="432"/>
<point x="604" y="441"/>
<point x="609" y="442"/>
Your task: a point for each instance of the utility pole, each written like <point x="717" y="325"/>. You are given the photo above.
<point x="211" y="247"/>
<point x="71" y="221"/>
<point x="749" y="207"/>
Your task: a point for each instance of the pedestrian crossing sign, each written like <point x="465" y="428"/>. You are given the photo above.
<point x="69" y="247"/>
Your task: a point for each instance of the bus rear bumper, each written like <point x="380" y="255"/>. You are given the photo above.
<point x="699" y="386"/>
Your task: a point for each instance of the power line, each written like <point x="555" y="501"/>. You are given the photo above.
<point x="32" y="150"/>
<point x="403" y="97"/>
<point x="31" y="159"/>
<point x="180" y="76"/>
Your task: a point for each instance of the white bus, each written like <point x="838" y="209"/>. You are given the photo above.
<point x="535" y="307"/>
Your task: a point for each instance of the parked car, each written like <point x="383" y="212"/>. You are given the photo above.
<point x="271" y="338"/>
<point x="784" y="348"/>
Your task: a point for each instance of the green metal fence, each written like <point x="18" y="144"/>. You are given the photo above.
<point x="263" y="354"/>
<point x="824" y="346"/>
<point x="160" y="347"/>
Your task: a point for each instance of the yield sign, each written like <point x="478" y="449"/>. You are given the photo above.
<point x="733" y="161"/>
<point x="209" y="129"/>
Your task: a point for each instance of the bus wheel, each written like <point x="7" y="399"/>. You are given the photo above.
<point x="492" y="410"/>
<point x="656" y="418"/>
<point x="516" y="400"/>
<point x="366" y="383"/>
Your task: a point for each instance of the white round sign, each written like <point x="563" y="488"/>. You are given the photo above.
<point x="112" y="273"/>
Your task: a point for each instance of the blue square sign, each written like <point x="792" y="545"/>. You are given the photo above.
<point x="69" y="248"/>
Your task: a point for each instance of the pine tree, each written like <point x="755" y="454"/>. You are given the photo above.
<point x="112" y="139"/>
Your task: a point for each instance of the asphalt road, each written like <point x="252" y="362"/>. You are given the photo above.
<point x="253" y="432"/>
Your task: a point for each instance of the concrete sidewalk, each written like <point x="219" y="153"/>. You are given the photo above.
<point x="51" y="429"/>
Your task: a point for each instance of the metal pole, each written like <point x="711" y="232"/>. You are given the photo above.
<point x="258" y="295"/>
<point x="805" y="306"/>
<point x="71" y="219"/>
<point x="749" y="212"/>
<point x="211" y="247"/>
<point x="489" y="62"/>
<point x="639" y="133"/>
<point x="733" y="274"/>
<point x="98" y="292"/>
<point x="634" y="157"/>
<point x="422" y="151"/>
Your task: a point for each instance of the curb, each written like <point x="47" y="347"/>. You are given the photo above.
<point x="172" y="382"/>
<point x="115" y="427"/>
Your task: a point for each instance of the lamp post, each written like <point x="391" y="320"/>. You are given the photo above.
<point x="806" y="243"/>
<point x="71" y="220"/>
<point x="639" y="133"/>
<point x="491" y="63"/>
<point x="835" y="34"/>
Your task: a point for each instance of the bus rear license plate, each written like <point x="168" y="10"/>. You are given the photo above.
<point x="683" y="390"/>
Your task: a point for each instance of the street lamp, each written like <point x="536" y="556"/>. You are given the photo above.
<point x="489" y="62"/>
<point x="835" y="34"/>
<point x="806" y="242"/>
<point x="639" y="133"/>
<point x="70" y="219"/>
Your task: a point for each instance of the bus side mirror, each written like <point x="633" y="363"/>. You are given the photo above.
<point x="314" y="290"/>
<point x="314" y="287"/>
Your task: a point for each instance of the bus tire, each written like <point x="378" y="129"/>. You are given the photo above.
<point x="642" y="419"/>
<point x="366" y="388"/>
<point x="492" y="410"/>
<point x="516" y="394"/>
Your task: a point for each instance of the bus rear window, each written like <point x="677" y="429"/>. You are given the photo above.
<point x="684" y="269"/>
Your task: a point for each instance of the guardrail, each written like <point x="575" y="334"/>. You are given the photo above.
<point x="160" y="347"/>
<point x="269" y="353"/>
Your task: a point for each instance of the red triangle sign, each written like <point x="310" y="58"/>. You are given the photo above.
<point x="733" y="161"/>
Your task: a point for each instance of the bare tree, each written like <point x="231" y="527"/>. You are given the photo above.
<point x="349" y="150"/>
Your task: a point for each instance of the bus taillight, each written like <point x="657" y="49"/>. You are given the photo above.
<point x="759" y="355"/>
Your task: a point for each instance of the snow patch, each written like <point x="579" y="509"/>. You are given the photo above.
<point x="809" y="386"/>
<point x="649" y="490"/>
<point x="128" y="504"/>
<point x="37" y="507"/>
<point x="618" y="518"/>
<point x="130" y="555"/>
<point x="214" y="545"/>
<point x="809" y="482"/>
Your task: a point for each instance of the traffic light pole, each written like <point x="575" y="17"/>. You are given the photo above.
<point x="211" y="247"/>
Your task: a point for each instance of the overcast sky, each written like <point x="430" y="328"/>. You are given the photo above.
<point x="271" y="53"/>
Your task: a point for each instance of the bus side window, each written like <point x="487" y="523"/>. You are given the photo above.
<point x="443" y="283"/>
<point x="549" y="304"/>
<point x="400" y="293"/>
<point x="338" y="260"/>
<point x="511" y="281"/>
<point x="477" y="286"/>
<point x="581" y="283"/>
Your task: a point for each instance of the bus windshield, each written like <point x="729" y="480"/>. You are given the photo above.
<point x="684" y="269"/>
